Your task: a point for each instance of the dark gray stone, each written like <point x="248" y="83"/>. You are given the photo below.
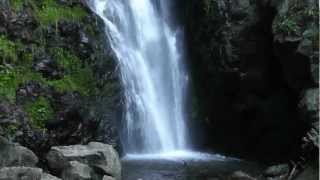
<point x="102" y="158"/>
<point x="16" y="155"/>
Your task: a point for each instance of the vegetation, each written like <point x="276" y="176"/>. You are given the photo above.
<point x="78" y="75"/>
<point x="12" y="77"/>
<point x="17" y="4"/>
<point x="39" y="112"/>
<point x="291" y="22"/>
<point x="18" y="58"/>
<point x="8" y="50"/>
<point x="52" y="12"/>
<point x="287" y="26"/>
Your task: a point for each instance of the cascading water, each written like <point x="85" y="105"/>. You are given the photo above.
<point x="152" y="73"/>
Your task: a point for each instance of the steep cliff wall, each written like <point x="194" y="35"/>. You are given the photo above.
<point x="255" y="74"/>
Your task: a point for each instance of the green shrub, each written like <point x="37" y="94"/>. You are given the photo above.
<point x="287" y="26"/>
<point x="39" y="112"/>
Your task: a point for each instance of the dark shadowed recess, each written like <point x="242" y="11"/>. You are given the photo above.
<point x="246" y="86"/>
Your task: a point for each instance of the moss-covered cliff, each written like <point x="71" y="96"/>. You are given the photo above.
<point x="58" y="83"/>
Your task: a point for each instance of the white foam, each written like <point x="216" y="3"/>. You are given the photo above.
<point x="179" y="155"/>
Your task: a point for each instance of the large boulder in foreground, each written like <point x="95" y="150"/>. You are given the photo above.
<point x="101" y="159"/>
<point x="16" y="155"/>
<point x="24" y="173"/>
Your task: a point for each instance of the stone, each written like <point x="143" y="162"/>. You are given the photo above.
<point x="107" y="178"/>
<point x="310" y="173"/>
<point x="277" y="170"/>
<point x="24" y="173"/>
<point x="46" y="176"/>
<point x="47" y="67"/>
<point x="77" y="171"/>
<point x="310" y="104"/>
<point x="10" y="114"/>
<point x="239" y="175"/>
<point x="17" y="24"/>
<point x="100" y="157"/>
<point x="16" y="155"/>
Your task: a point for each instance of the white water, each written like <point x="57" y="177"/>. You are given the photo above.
<point x="152" y="73"/>
<point x="180" y="155"/>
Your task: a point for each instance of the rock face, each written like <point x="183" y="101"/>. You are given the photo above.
<point x="254" y="65"/>
<point x="90" y="161"/>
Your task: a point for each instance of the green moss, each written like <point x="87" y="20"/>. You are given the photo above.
<point x="12" y="77"/>
<point x="7" y="83"/>
<point x="294" y="21"/>
<point x="8" y="50"/>
<point x="78" y="76"/>
<point x="51" y="12"/>
<point x="287" y="26"/>
<point x="10" y="129"/>
<point x="17" y="4"/>
<point x="39" y="112"/>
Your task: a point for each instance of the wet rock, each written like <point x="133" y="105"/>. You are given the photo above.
<point x="19" y="24"/>
<point x="102" y="158"/>
<point x="311" y="172"/>
<point x="71" y="3"/>
<point x="16" y="155"/>
<point x="108" y="178"/>
<point x="239" y="175"/>
<point x="277" y="170"/>
<point x="24" y="173"/>
<point x="309" y="109"/>
<point x="46" y="176"/>
<point x="77" y="171"/>
<point x="309" y="104"/>
<point x="47" y="67"/>
<point x="29" y="91"/>
<point x="10" y="114"/>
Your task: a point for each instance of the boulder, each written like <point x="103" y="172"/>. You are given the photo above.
<point x="310" y="104"/>
<point x="239" y="175"/>
<point x="15" y="173"/>
<point x="277" y="170"/>
<point x="16" y="155"/>
<point x="77" y="171"/>
<point x="46" y="176"/>
<point x="107" y="178"/>
<point x="24" y="173"/>
<point x="102" y="158"/>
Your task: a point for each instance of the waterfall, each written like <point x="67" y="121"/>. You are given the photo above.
<point x="152" y="73"/>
